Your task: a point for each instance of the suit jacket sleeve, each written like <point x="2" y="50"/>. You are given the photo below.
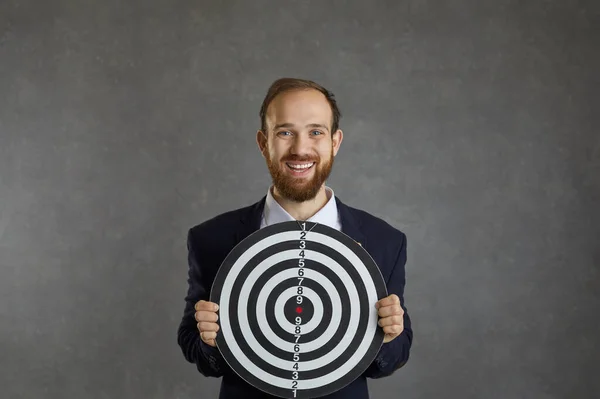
<point x="208" y="360"/>
<point x="394" y="354"/>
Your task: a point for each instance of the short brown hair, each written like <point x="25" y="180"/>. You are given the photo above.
<point x="288" y="84"/>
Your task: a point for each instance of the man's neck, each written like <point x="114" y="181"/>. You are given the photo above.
<point x="302" y="210"/>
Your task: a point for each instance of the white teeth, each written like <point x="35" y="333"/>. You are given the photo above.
<point x="302" y="166"/>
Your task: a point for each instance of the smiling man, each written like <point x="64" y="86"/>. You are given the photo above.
<point x="299" y="139"/>
<point x="299" y="147"/>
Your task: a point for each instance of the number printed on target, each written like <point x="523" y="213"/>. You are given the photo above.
<point x="296" y="309"/>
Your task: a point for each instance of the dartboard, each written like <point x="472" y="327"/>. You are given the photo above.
<point x="297" y="309"/>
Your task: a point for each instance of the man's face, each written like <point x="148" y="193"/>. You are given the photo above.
<point x="299" y="147"/>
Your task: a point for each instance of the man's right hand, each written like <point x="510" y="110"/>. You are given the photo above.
<point x="206" y="316"/>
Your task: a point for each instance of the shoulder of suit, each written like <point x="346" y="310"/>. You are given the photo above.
<point x="374" y="225"/>
<point x="225" y="219"/>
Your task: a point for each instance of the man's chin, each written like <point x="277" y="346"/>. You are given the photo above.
<point x="299" y="197"/>
<point x="298" y="191"/>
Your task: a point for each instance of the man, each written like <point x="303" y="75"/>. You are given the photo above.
<point x="299" y="138"/>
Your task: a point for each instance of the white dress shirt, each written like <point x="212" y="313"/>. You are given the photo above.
<point x="328" y="215"/>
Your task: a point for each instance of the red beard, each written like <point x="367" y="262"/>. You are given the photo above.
<point x="299" y="189"/>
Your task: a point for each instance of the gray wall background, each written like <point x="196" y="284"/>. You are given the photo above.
<point x="472" y="126"/>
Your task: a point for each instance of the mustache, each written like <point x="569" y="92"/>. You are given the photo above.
<point x="296" y="158"/>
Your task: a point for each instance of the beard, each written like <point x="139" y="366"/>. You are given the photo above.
<point x="299" y="189"/>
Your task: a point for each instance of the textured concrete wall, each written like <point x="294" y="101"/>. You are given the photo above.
<point x="472" y="126"/>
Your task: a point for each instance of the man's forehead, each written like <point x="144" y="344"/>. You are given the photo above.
<point x="300" y="109"/>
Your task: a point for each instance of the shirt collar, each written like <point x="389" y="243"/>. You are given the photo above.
<point x="327" y="215"/>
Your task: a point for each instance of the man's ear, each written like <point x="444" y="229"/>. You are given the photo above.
<point x="337" y="138"/>
<point x="261" y="141"/>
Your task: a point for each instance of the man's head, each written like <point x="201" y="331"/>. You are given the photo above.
<point x="299" y="136"/>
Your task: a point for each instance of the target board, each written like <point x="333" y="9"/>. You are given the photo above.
<point x="297" y="309"/>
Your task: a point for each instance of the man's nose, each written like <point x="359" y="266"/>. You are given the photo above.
<point x="300" y="145"/>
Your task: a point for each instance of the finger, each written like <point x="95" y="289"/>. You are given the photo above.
<point x="206" y="316"/>
<point x="387" y="301"/>
<point x="209" y="341"/>
<point x="208" y="335"/>
<point x="206" y="326"/>
<point x="394" y="330"/>
<point x="391" y="310"/>
<point x="206" y="305"/>
<point x="390" y="321"/>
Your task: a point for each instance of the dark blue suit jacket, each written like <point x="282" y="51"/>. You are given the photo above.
<point x="211" y="241"/>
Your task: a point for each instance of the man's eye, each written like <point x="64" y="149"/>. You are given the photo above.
<point x="317" y="132"/>
<point x="285" y="132"/>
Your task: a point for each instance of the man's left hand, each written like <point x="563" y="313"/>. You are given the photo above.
<point x="391" y="317"/>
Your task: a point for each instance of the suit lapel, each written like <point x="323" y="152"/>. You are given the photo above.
<point x="350" y="223"/>
<point x="250" y="220"/>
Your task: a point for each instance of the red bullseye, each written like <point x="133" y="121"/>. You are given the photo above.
<point x="298" y="309"/>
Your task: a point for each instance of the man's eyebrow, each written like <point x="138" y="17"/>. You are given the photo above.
<point x="317" y="125"/>
<point x="288" y="125"/>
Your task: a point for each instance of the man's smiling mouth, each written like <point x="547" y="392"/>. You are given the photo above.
<point x="300" y="166"/>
